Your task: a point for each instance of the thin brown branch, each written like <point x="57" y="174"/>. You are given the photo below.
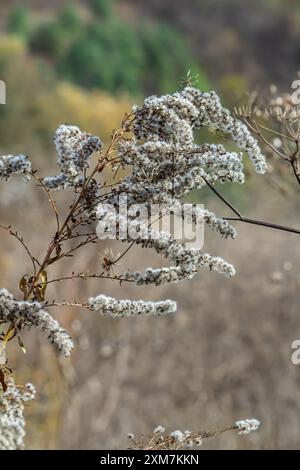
<point x="55" y="243"/>
<point x="257" y="131"/>
<point x="279" y="134"/>
<point x="51" y="200"/>
<point x="124" y="253"/>
<point x="67" y="304"/>
<point x="241" y="218"/>
<point x="84" y="277"/>
<point x="21" y="240"/>
<point x="221" y="197"/>
<point x="263" y="224"/>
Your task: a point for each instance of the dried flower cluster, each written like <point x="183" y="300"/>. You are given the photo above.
<point x="156" y="147"/>
<point x="12" y="423"/>
<point x="31" y="314"/>
<point x="274" y="120"/>
<point x="246" y="426"/>
<point x="165" y="164"/>
<point x="13" y="164"/>
<point x="74" y="149"/>
<point x="128" y="308"/>
<point x="162" y="440"/>
<point x="173" y="118"/>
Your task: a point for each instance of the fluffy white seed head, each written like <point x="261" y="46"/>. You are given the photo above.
<point x="14" y="165"/>
<point x="159" y="429"/>
<point x="246" y="426"/>
<point x="109" y="306"/>
<point x="32" y="314"/>
<point x="74" y="149"/>
<point x="12" y="422"/>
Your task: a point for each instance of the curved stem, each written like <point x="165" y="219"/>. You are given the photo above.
<point x="247" y="220"/>
<point x="21" y="240"/>
<point x="263" y="224"/>
<point x="51" y="200"/>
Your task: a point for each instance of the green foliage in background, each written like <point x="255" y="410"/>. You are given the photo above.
<point x="98" y="49"/>
<point x="107" y="55"/>
<point x="79" y="65"/>
<point x="18" y="22"/>
<point x="103" y="8"/>
<point x="37" y="103"/>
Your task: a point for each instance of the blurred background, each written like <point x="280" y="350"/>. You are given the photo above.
<point x="226" y="354"/>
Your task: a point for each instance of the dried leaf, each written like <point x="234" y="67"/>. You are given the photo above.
<point x="40" y="286"/>
<point x="24" y="283"/>
<point x="21" y="344"/>
<point x="43" y="277"/>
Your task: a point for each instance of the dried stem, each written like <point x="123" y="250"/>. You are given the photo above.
<point x="57" y="239"/>
<point x="21" y="240"/>
<point x="247" y="220"/>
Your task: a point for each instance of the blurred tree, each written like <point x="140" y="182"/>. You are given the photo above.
<point x="105" y="52"/>
<point x="102" y="8"/>
<point x="86" y="63"/>
<point x="48" y="39"/>
<point x="107" y="56"/>
<point x="167" y="59"/>
<point x="69" y="19"/>
<point x="18" y="21"/>
<point x="37" y="103"/>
